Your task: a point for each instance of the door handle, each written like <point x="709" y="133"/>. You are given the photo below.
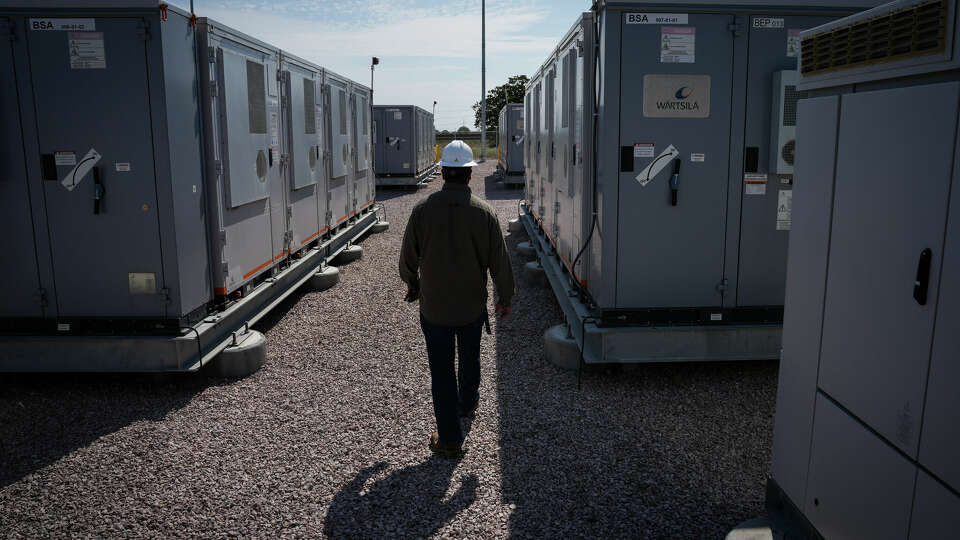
<point x="923" y="277"/>
<point x="98" y="191"/>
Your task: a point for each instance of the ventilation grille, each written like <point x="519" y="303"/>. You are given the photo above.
<point x="256" y="98"/>
<point x="915" y="31"/>
<point x="309" y="106"/>
<point x="790" y="97"/>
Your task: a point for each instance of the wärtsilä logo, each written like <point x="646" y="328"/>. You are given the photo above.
<point x="681" y="104"/>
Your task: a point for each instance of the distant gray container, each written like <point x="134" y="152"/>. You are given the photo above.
<point x="510" y="140"/>
<point x="102" y="196"/>
<point x="867" y="437"/>
<point x="405" y="138"/>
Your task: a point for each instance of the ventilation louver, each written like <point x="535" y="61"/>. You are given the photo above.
<point x="915" y="31"/>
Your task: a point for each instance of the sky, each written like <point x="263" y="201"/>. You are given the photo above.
<point x="429" y="50"/>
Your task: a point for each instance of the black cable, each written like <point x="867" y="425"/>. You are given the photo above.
<point x="199" y="348"/>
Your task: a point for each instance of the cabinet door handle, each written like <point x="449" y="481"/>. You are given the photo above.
<point x="923" y="277"/>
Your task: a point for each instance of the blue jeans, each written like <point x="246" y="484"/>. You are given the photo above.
<point x="453" y="389"/>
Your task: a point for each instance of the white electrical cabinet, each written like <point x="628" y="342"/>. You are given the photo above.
<point x="867" y="438"/>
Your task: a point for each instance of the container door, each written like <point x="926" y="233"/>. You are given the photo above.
<point x="19" y="277"/>
<point x="395" y="139"/>
<point x="361" y="130"/>
<point x="774" y="46"/>
<point x="940" y="440"/>
<point x="340" y="151"/>
<point x="303" y="151"/>
<point x="96" y="146"/>
<point x="886" y="249"/>
<point x="675" y="95"/>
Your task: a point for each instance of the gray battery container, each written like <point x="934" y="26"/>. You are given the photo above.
<point x="102" y="195"/>
<point x="404" y="143"/>
<point x="510" y="139"/>
<point x="691" y="219"/>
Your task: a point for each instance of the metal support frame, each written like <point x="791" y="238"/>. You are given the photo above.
<point x="647" y="344"/>
<point x="195" y="346"/>
<point x="407" y="180"/>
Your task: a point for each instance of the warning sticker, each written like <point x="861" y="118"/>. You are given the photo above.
<point x="122" y="167"/>
<point x="86" y="50"/>
<point x="644" y="149"/>
<point x="65" y="158"/>
<point x="656" y="18"/>
<point x="678" y="44"/>
<point x="755" y="184"/>
<point x="793" y="42"/>
<point x="784" y="209"/>
<point x="698" y="158"/>
<point x="397" y="115"/>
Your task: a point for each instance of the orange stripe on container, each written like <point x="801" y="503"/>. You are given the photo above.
<point x="325" y="229"/>
<point x="220" y="290"/>
<point x="281" y="255"/>
<point x="343" y="218"/>
<point x="309" y="238"/>
<point x="257" y="269"/>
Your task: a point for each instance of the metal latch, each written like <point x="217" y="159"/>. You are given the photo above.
<point x="212" y="54"/>
<point x="223" y="236"/>
<point x="213" y="88"/>
<point x="143" y="29"/>
<point x="723" y="286"/>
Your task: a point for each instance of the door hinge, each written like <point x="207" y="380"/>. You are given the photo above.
<point x="289" y="212"/>
<point x="329" y="215"/>
<point x="556" y="206"/>
<point x="736" y="26"/>
<point x="212" y="54"/>
<point x="218" y="167"/>
<point x="723" y="286"/>
<point x="41" y="296"/>
<point x="223" y="236"/>
<point x="165" y="295"/>
<point x="6" y="30"/>
<point x="143" y="30"/>
<point x="213" y="88"/>
<point x="225" y="268"/>
<point x="580" y="47"/>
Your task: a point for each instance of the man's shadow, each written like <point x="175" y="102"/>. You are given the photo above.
<point x="407" y="503"/>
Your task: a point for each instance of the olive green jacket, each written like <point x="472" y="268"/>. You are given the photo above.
<point x="451" y="240"/>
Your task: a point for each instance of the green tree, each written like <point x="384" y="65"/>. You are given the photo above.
<point x="511" y="92"/>
<point x="463" y="129"/>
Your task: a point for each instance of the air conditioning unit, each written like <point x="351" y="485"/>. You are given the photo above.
<point x="783" y="127"/>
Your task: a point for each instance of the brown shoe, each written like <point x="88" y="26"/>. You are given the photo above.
<point x="471" y="412"/>
<point x="444" y="449"/>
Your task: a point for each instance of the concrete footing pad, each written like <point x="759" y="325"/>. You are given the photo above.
<point x="241" y="359"/>
<point x="755" y="529"/>
<point x="533" y="273"/>
<point x="348" y="255"/>
<point x="560" y="348"/>
<point x="379" y="227"/>
<point x="526" y="250"/>
<point x="514" y="225"/>
<point x="326" y="277"/>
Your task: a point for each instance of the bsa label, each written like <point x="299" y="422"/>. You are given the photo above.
<point x="656" y="18"/>
<point x="74" y="25"/>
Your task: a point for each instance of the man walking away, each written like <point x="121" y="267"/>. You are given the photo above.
<point x="452" y="239"/>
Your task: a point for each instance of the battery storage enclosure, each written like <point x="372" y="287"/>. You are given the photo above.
<point x="510" y="143"/>
<point x="166" y="179"/>
<point x="404" y="148"/>
<point x="648" y="132"/>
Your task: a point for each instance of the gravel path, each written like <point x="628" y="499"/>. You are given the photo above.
<point x="329" y="438"/>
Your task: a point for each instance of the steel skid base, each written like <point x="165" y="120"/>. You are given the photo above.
<point x="517" y="180"/>
<point x="195" y="346"/>
<point x="647" y="344"/>
<point x="408" y="180"/>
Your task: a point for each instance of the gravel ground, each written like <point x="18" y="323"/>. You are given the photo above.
<point x="329" y="437"/>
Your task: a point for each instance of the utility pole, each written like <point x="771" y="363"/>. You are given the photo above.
<point x="483" y="80"/>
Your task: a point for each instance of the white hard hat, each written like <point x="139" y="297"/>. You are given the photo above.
<point x="457" y="154"/>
